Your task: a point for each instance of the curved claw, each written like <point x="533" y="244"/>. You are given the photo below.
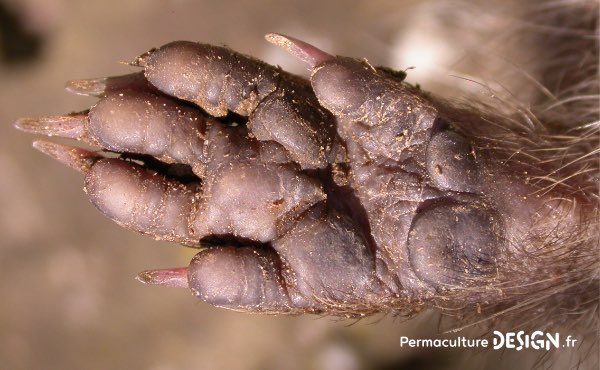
<point x="174" y="277"/>
<point x="70" y="126"/>
<point x="300" y="49"/>
<point x="79" y="159"/>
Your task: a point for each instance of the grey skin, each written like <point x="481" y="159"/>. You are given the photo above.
<point x="349" y="194"/>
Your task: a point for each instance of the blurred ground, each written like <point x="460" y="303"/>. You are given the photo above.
<point x="69" y="298"/>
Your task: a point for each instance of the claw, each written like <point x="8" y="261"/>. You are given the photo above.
<point x="173" y="277"/>
<point x="300" y="49"/>
<point x="76" y="158"/>
<point x="71" y="126"/>
<point x="100" y="86"/>
<point x="87" y="87"/>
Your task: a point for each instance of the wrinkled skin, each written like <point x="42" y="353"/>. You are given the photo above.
<point x="348" y="194"/>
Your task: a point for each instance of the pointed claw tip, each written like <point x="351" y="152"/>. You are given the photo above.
<point x="70" y="126"/>
<point x="144" y="277"/>
<point x="43" y="146"/>
<point x="304" y="51"/>
<point x="24" y="124"/>
<point x="79" y="159"/>
<point x="87" y="87"/>
<point x="35" y="125"/>
<point x="173" y="277"/>
<point x="50" y="149"/>
<point x="275" y="38"/>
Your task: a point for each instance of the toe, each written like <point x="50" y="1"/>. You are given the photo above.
<point x="142" y="200"/>
<point x="245" y="278"/>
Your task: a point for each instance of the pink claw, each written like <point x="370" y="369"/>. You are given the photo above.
<point x="174" y="277"/>
<point x="300" y="49"/>
<point x="76" y="158"/>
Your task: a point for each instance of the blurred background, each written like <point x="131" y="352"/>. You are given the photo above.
<point x="69" y="298"/>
